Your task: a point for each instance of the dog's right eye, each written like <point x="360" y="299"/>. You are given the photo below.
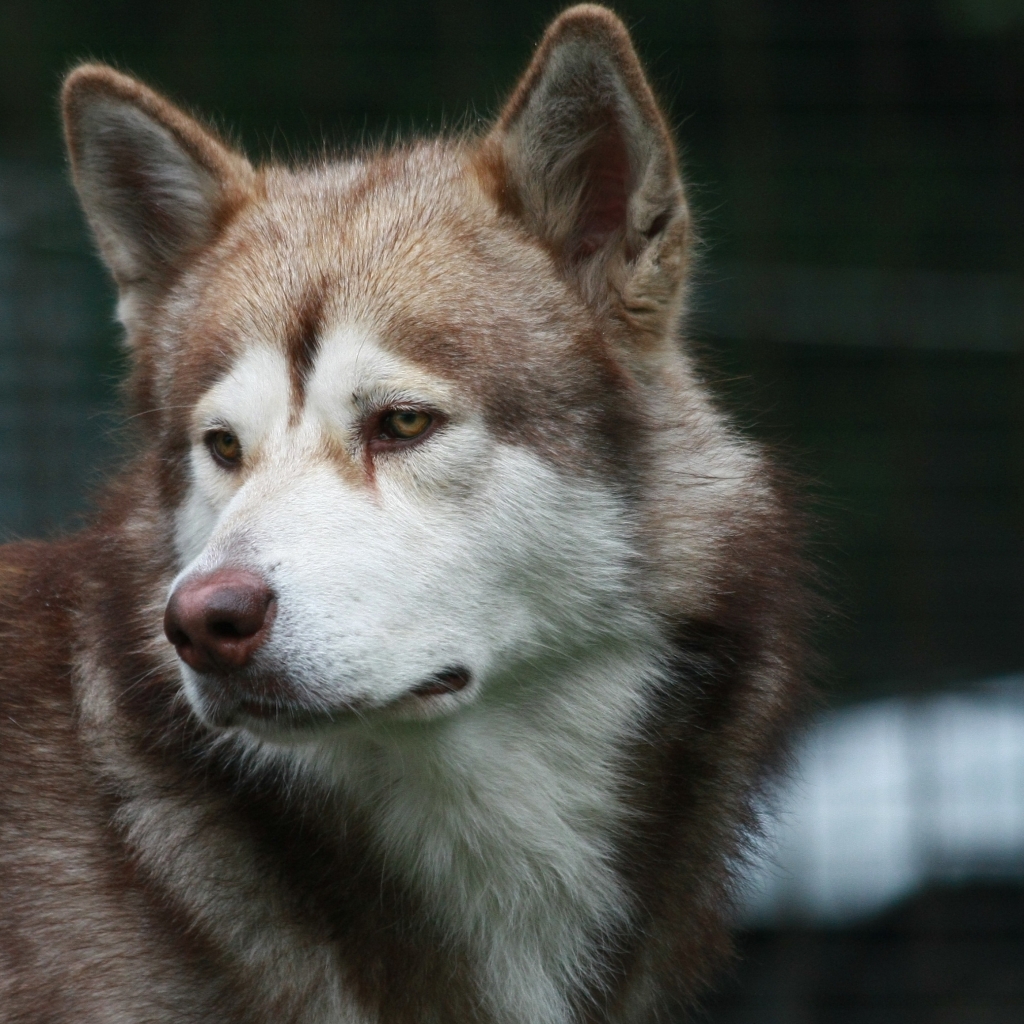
<point x="405" y="424"/>
<point x="225" y="448"/>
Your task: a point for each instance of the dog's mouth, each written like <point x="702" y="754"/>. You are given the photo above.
<point x="450" y="680"/>
<point x="289" y="712"/>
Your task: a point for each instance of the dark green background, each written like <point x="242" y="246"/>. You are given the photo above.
<point x="869" y="155"/>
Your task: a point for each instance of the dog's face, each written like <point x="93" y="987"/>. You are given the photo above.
<point x="397" y="397"/>
<point x="397" y="448"/>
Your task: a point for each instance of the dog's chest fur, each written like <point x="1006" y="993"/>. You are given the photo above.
<point x="474" y="871"/>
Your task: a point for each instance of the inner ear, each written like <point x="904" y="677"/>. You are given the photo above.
<point x="604" y="196"/>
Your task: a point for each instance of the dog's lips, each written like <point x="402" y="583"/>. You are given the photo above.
<point x="450" y="680"/>
<point x="293" y="714"/>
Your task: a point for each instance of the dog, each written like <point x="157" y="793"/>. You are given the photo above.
<point x="427" y="657"/>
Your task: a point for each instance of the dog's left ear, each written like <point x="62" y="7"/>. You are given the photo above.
<point x="582" y="156"/>
<point x="155" y="184"/>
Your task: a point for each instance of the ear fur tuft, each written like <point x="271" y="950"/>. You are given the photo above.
<point x="582" y="156"/>
<point x="155" y="185"/>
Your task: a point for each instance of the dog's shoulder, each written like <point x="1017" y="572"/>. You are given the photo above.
<point x="37" y="584"/>
<point x="79" y="937"/>
<point x="42" y="800"/>
<point x="45" y="799"/>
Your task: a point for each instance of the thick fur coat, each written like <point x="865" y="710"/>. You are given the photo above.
<point x="426" y="659"/>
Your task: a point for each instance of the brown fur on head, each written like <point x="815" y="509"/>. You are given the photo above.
<point x="580" y="159"/>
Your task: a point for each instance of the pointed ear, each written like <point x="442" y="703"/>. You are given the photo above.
<point x="155" y="185"/>
<point x="582" y="156"/>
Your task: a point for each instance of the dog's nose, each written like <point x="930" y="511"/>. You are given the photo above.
<point x="217" y="622"/>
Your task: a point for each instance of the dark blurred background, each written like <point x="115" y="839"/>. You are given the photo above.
<point x="857" y="171"/>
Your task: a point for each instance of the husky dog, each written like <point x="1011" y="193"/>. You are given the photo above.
<point x="423" y="664"/>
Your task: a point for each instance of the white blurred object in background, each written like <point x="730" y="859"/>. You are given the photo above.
<point x="891" y="795"/>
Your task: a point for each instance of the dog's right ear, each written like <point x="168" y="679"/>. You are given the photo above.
<point x="156" y="186"/>
<point x="582" y="158"/>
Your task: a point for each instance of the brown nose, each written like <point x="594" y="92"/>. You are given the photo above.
<point x="217" y="622"/>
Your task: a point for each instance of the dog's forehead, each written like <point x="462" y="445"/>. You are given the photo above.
<point x="411" y="251"/>
<point x="408" y="245"/>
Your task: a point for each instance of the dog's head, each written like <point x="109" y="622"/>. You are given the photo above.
<point x="397" y="401"/>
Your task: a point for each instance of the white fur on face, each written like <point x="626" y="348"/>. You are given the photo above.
<point x="462" y="551"/>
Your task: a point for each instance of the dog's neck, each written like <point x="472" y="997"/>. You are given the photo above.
<point x="505" y="817"/>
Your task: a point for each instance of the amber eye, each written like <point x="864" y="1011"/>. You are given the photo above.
<point x="404" y="424"/>
<point x="225" y="447"/>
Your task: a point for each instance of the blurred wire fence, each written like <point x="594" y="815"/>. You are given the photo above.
<point x="916" y="309"/>
<point x="56" y="349"/>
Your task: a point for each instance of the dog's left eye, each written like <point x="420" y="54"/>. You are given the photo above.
<point x="405" y="424"/>
<point x="225" y="447"/>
